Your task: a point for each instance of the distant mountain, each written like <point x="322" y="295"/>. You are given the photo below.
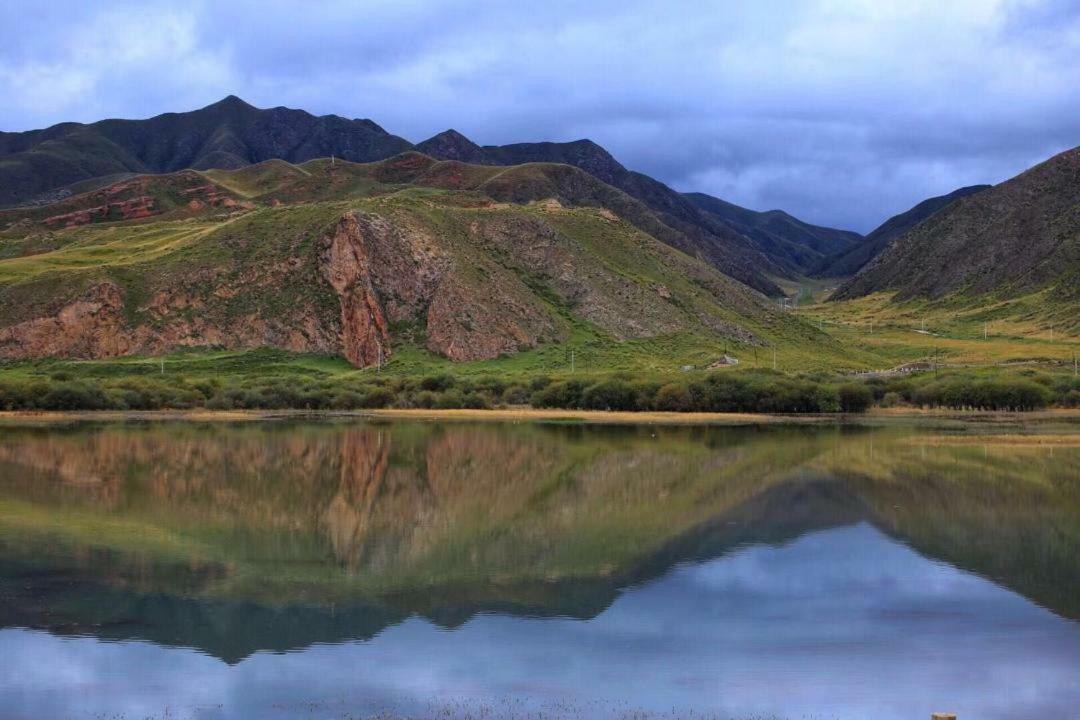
<point x="847" y="262"/>
<point x="737" y="240"/>
<point x="790" y="242"/>
<point x="746" y="247"/>
<point x="227" y="134"/>
<point x="452" y="145"/>
<point x="1014" y="238"/>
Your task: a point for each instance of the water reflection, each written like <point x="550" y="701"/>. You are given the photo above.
<point x="864" y="571"/>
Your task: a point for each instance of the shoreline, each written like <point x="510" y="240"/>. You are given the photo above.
<point x="589" y="417"/>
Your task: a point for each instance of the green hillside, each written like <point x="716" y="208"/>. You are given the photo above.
<point x="406" y="260"/>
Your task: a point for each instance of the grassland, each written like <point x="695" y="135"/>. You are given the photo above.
<point x="1031" y="328"/>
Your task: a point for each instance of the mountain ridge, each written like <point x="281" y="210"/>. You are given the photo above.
<point x="795" y="244"/>
<point x="229" y="134"/>
<point x="846" y="263"/>
<point x="1019" y="236"/>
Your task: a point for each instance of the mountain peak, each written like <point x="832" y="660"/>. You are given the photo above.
<point x="231" y="101"/>
<point x="452" y="145"/>
<point x="452" y="134"/>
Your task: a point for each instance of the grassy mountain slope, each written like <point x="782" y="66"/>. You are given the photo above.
<point x="847" y="262"/>
<point x="794" y="244"/>
<point x="1012" y="240"/>
<point x="712" y="241"/>
<point x="365" y="260"/>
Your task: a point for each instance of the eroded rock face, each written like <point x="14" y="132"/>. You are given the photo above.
<point x="347" y="267"/>
<point x="385" y="270"/>
<point x="381" y="270"/>
<point x="90" y="326"/>
<point x="132" y="209"/>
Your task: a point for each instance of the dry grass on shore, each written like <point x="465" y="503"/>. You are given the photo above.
<point x="526" y="414"/>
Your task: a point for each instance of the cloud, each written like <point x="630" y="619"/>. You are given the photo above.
<point x="840" y="111"/>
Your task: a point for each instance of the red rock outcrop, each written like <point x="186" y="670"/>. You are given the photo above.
<point x="131" y="209"/>
<point x="402" y="272"/>
<point x="380" y="269"/>
<point x="347" y="267"/>
<point x="90" y="326"/>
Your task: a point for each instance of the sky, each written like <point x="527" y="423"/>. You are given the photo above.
<point x="842" y="112"/>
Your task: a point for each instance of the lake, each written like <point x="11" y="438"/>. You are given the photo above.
<point x="344" y="569"/>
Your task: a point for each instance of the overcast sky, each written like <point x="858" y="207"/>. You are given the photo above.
<point x="842" y="112"/>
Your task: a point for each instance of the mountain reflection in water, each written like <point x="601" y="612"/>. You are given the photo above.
<point x="237" y="539"/>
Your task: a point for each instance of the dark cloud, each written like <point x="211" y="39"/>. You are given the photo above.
<point x="840" y="111"/>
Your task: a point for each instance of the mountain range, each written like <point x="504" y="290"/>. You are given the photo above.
<point x="41" y="166"/>
<point x="237" y="227"/>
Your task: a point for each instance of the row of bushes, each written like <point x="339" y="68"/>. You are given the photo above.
<point x="719" y="392"/>
<point x="1028" y="390"/>
<point x="715" y="393"/>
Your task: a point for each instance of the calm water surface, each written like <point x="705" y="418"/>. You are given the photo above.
<point x="340" y="570"/>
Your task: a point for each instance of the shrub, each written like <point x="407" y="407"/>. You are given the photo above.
<point x="827" y="399"/>
<point x="645" y="395"/>
<point x="449" y="400"/>
<point x="855" y="397"/>
<point x="74" y="396"/>
<point x="891" y="399"/>
<point x="516" y="395"/>
<point x="475" y="401"/>
<point x="999" y="394"/>
<point x="424" y="399"/>
<point x="565" y="394"/>
<point x="609" y="395"/>
<point x="377" y="397"/>
<point x="729" y="394"/>
<point x="437" y="383"/>
<point x="347" y="400"/>
<point x="673" y="397"/>
<point x="20" y="394"/>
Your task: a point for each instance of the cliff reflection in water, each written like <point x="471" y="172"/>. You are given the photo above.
<point x="233" y="539"/>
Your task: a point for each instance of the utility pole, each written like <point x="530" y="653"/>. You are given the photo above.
<point x="331" y="159"/>
<point x="163" y="365"/>
<point x="984" y="331"/>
